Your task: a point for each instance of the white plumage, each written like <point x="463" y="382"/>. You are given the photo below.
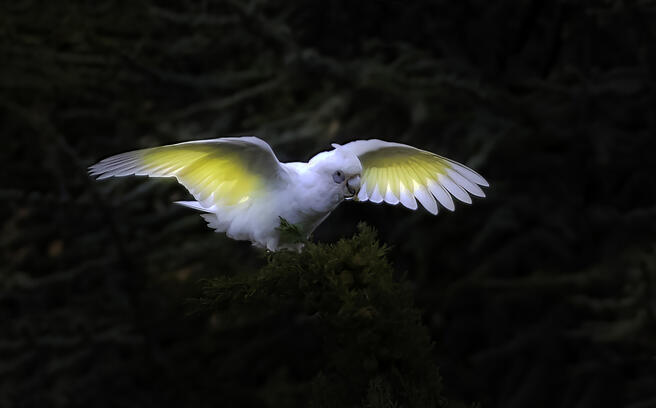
<point x="243" y="190"/>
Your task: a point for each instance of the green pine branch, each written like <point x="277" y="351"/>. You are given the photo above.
<point x="376" y="352"/>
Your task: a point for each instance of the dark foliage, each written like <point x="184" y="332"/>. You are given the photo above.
<point x="369" y="343"/>
<point x="541" y="295"/>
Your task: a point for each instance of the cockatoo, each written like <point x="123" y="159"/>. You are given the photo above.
<point x="243" y="190"/>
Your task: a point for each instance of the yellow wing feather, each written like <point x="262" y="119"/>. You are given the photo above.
<point x="226" y="171"/>
<point x="394" y="172"/>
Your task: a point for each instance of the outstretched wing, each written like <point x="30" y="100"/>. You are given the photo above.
<point x="394" y="172"/>
<point x="218" y="172"/>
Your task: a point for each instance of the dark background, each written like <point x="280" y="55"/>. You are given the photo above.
<point x="541" y="295"/>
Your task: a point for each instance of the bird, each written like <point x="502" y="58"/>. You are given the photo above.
<point x="244" y="191"/>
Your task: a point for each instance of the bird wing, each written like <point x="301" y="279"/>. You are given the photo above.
<point x="217" y="172"/>
<point x="394" y="172"/>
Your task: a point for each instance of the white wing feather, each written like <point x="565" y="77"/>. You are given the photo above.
<point x="236" y="179"/>
<point x="394" y="172"/>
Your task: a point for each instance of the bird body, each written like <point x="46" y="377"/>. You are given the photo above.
<point x="243" y="190"/>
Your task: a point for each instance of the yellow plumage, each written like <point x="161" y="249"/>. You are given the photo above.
<point x="394" y="172"/>
<point x="220" y="172"/>
<point x="394" y="169"/>
<point x="209" y="172"/>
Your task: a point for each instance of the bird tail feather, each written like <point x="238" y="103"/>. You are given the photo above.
<point x="192" y="204"/>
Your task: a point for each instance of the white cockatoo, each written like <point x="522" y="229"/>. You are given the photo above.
<point x="244" y="191"/>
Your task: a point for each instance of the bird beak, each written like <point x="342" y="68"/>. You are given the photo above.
<point x="353" y="186"/>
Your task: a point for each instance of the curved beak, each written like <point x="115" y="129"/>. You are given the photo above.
<point x="353" y="186"/>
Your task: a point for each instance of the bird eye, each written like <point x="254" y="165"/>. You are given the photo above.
<point x="338" y="177"/>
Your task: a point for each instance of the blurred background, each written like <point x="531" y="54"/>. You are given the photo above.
<point x="543" y="294"/>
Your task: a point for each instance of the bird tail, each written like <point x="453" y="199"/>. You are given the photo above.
<point x="193" y="205"/>
<point x="211" y="219"/>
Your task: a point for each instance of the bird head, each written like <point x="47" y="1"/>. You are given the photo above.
<point x="340" y="168"/>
